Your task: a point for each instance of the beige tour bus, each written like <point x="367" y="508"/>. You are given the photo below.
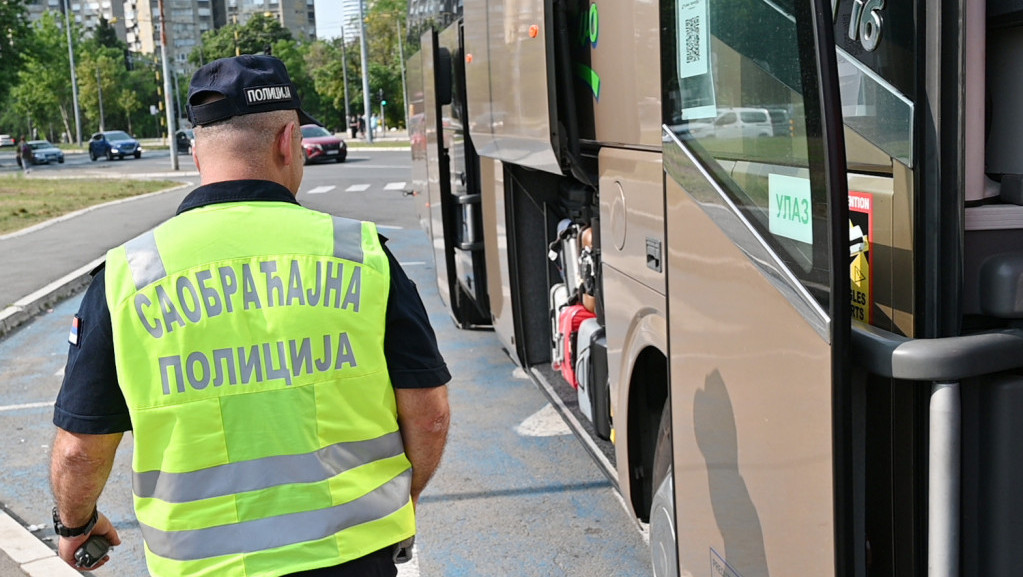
<point x="796" y="348"/>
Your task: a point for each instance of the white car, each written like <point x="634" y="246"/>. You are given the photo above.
<point x="743" y="123"/>
<point x="6" y="140"/>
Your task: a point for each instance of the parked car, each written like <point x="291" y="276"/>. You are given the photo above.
<point x="6" y="140"/>
<point x="734" y="123"/>
<point x="113" y="144"/>
<point x="319" y="145"/>
<point x="184" y="139"/>
<point x="781" y="122"/>
<point x="42" y="152"/>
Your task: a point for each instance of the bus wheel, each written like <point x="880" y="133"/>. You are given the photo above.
<point x="663" y="543"/>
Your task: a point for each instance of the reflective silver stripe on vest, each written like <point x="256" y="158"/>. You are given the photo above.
<point x="282" y="530"/>
<point x="348" y="239"/>
<point x="144" y="260"/>
<point x="257" y="474"/>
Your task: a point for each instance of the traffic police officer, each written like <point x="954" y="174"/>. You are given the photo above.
<point x="274" y="363"/>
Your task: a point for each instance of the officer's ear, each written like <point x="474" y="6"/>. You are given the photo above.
<point x="286" y="142"/>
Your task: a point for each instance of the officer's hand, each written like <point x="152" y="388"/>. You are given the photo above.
<point x="68" y="545"/>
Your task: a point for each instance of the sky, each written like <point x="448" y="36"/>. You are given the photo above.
<point x="328" y="19"/>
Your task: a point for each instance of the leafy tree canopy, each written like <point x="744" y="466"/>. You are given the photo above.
<point x="255" y="36"/>
<point x="15" y="32"/>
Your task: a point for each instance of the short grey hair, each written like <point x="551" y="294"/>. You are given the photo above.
<point x="247" y="132"/>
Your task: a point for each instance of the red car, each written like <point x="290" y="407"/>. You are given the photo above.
<point x="319" y="145"/>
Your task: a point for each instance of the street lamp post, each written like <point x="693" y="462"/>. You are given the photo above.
<point x="344" y="76"/>
<point x="401" y="54"/>
<point x="366" y="104"/>
<point x="167" y="87"/>
<point x="74" y="79"/>
<point x="99" y="91"/>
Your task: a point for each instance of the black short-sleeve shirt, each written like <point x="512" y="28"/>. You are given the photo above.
<point x="90" y="400"/>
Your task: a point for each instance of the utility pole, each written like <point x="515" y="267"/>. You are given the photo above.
<point x="167" y="87"/>
<point x="99" y="90"/>
<point x="74" y="79"/>
<point x="366" y="100"/>
<point x="401" y="54"/>
<point x="344" y="76"/>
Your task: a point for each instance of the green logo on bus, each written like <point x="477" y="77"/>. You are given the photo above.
<point x="589" y="34"/>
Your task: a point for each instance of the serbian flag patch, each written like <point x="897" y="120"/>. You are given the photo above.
<point x="76" y="328"/>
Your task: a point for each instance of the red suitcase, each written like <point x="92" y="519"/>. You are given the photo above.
<point x="571" y="317"/>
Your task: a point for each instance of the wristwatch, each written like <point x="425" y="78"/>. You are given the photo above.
<point x="65" y="531"/>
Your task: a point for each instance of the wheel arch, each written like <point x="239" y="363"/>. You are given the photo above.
<point x="645" y="374"/>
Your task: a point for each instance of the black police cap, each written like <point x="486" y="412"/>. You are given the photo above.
<point x="250" y="83"/>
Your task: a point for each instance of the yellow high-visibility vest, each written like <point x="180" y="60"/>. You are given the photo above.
<point x="248" y="340"/>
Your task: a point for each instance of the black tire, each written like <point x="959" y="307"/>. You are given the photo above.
<point x="138" y="154"/>
<point x="60" y="161"/>
<point x="663" y="533"/>
<point x="92" y="155"/>
<point x="110" y="154"/>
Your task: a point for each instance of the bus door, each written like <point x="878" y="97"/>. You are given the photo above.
<point x="469" y="304"/>
<point x="450" y="210"/>
<point x="750" y="471"/>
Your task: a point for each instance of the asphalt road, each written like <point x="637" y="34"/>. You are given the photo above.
<point x="516" y="494"/>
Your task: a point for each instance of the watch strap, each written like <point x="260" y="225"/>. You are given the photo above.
<point x="65" y="531"/>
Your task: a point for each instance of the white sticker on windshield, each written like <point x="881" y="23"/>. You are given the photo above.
<point x="790" y="208"/>
<point x="694" y="38"/>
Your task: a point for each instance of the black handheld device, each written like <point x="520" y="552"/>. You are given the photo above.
<point x="92" y="552"/>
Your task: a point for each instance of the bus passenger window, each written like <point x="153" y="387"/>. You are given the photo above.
<point x="733" y="96"/>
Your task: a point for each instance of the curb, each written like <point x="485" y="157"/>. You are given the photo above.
<point x="27" y="307"/>
<point x="33" y="556"/>
<point x="70" y="215"/>
<point x="70" y="284"/>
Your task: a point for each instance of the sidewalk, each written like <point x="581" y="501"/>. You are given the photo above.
<point x="58" y="256"/>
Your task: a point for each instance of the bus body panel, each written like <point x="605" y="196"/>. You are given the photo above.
<point x="477" y="80"/>
<point x="624" y="53"/>
<point x="436" y="166"/>
<point x="751" y="408"/>
<point x="632" y="215"/>
<point x="518" y="114"/>
<point x="495" y="239"/>
<point x="635" y="324"/>
<point x="418" y="118"/>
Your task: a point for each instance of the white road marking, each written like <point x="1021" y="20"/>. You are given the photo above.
<point x="412" y="262"/>
<point x="60" y="373"/>
<point x="395" y="186"/>
<point x="357" y="188"/>
<point x="544" y="423"/>
<point x="322" y="189"/>
<point x="26" y="406"/>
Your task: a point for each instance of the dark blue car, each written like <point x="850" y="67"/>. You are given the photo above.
<point x="113" y="144"/>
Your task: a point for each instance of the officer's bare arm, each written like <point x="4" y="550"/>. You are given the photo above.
<point x="79" y="467"/>
<point x="423" y="416"/>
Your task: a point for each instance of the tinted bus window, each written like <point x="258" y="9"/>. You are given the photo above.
<point x="733" y="97"/>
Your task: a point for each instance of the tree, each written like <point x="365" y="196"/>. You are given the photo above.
<point x="258" y="34"/>
<point x="383" y="20"/>
<point x="324" y="61"/>
<point x="43" y="90"/>
<point x="15" y="33"/>
<point x="106" y="36"/>
<point x="100" y="75"/>
<point x="293" y="54"/>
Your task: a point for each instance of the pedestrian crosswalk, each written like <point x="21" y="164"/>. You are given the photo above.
<point x="360" y="187"/>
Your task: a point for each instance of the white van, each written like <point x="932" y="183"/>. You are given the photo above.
<point x="743" y="123"/>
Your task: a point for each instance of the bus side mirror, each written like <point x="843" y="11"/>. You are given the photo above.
<point x="443" y="76"/>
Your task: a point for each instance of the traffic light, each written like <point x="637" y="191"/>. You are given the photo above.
<point x="383" y="103"/>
